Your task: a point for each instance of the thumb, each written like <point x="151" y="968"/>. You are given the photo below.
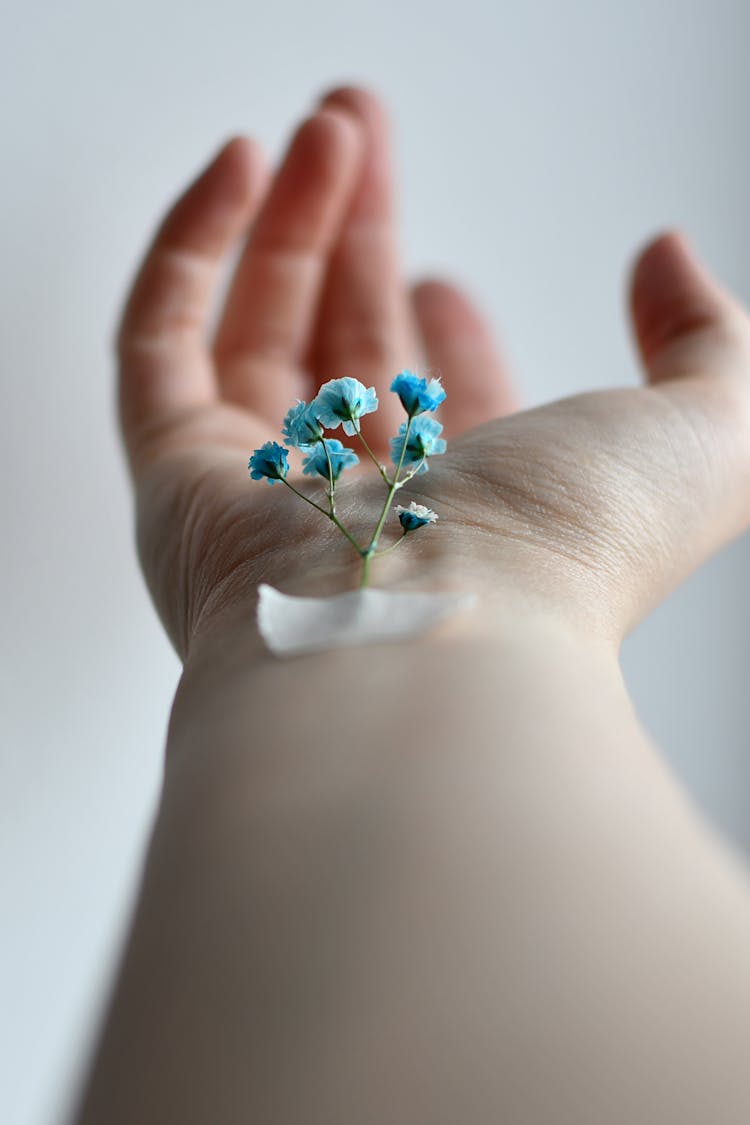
<point x="693" y="433"/>
<point x="685" y="323"/>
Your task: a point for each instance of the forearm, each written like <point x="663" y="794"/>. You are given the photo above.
<point x="447" y="880"/>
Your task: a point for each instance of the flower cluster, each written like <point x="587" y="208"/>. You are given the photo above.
<point x="344" y="402"/>
<point x="417" y="440"/>
<point x="329" y="458"/>
<point x="270" y="461"/>
<point x="416" y="515"/>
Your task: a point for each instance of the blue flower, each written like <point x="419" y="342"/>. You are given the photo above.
<point x="416" y="515"/>
<point x="417" y="395"/>
<point x="341" y="459"/>
<point x="269" y="461"/>
<point x="423" y="442"/>
<point x="344" y="400"/>
<point x="301" y="426"/>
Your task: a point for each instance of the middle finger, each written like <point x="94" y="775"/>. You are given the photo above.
<point x="366" y="328"/>
<point x="275" y="290"/>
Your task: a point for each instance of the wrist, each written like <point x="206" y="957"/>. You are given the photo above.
<point x="497" y="666"/>
<point x="511" y="588"/>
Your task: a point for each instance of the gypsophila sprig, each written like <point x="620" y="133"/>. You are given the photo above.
<point x="344" y="402"/>
<point x="269" y="462"/>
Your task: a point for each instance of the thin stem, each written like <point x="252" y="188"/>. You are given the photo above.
<point x="307" y="499"/>
<point x="330" y="477"/>
<point x="373" y="458"/>
<point x="329" y="516"/>
<point x="360" y="550"/>
<point x="365" y="576"/>
<point x="387" y="550"/>
<point x="412" y="473"/>
<point x="388" y="501"/>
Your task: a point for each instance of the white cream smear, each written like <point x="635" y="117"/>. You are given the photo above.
<point x="292" y="625"/>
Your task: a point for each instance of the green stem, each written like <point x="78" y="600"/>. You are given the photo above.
<point x="412" y="473"/>
<point x="329" y="516"/>
<point x="373" y="458"/>
<point x="393" y="485"/>
<point x="365" y="576"/>
<point x="387" y="550"/>
<point x="352" y="540"/>
<point x="330" y="478"/>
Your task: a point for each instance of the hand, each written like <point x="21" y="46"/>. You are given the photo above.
<point x="594" y="506"/>
<point x="317" y="294"/>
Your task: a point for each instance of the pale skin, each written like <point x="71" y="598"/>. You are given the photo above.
<point x="449" y="880"/>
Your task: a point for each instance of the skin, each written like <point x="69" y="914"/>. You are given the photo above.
<point x="451" y="879"/>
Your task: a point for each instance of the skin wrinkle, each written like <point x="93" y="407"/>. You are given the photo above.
<point x="240" y="580"/>
<point x="543" y="509"/>
<point x="216" y="546"/>
<point x="185" y="500"/>
<point x="251" y="569"/>
<point x="372" y="345"/>
<point x="710" y="435"/>
<point x="616" y="548"/>
<point x="184" y="317"/>
<point x="150" y="344"/>
<point x="152" y="433"/>
<point x="535" y="503"/>
<point x="242" y="576"/>
<point x="593" y="508"/>
<point x="180" y="256"/>
<point x="674" y="320"/>
<point x="264" y="363"/>
<point x="275" y="339"/>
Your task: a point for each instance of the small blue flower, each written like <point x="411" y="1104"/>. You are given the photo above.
<point x="417" y="395"/>
<point x="269" y="461"/>
<point x="423" y="442"/>
<point x="341" y="459"/>
<point x="344" y="400"/>
<point x="416" y="515"/>
<point x="301" y="426"/>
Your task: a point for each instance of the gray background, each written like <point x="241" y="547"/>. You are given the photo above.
<point x="538" y="145"/>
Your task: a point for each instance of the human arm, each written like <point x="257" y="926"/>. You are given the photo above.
<point x="449" y="880"/>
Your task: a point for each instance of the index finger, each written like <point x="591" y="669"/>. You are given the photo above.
<point x="165" y="365"/>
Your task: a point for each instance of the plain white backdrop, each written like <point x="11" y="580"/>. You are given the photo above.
<point x="538" y="145"/>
